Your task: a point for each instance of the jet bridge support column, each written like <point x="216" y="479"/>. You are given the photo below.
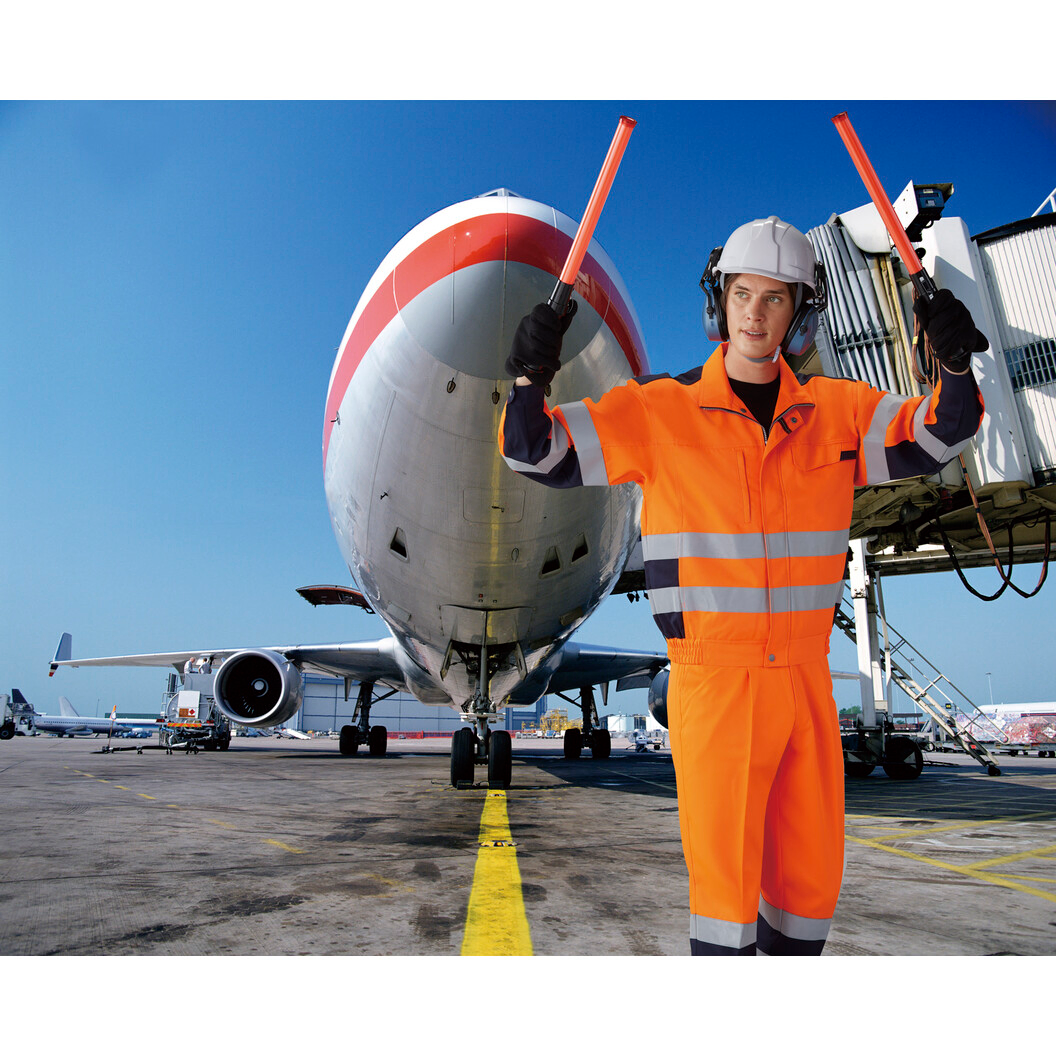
<point x="870" y="744"/>
<point x="875" y="705"/>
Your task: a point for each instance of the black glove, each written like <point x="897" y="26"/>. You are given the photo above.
<point x="950" y="329"/>
<point x="536" y="351"/>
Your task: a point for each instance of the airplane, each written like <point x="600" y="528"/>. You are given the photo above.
<point x="480" y="577"/>
<point x="69" y="723"/>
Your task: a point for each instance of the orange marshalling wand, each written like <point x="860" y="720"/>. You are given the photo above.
<point x="563" y="290"/>
<point x="921" y="279"/>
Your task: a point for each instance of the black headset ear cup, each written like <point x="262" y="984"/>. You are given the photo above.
<point x="801" y="330"/>
<point x="714" y="314"/>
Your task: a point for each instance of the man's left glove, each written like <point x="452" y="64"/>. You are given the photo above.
<point x="950" y="328"/>
<point x="536" y="351"/>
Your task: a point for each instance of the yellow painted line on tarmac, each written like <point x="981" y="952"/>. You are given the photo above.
<point x="222" y="824"/>
<point x="144" y="795"/>
<point x="965" y="870"/>
<point x="1005" y="859"/>
<point x="496" y="923"/>
<point x="928" y="830"/>
<point x="286" y="847"/>
<point x="1029" y="879"/>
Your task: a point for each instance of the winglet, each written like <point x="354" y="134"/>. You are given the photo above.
<point x="63" y="652"/>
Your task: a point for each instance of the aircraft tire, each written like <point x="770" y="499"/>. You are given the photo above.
<point x="378" y="740"/>
<point x="500" y="759"/>
<point x="903" y="760"/>
<point x="348" y="742"/>
<point x="463" y="751"/>
<point x="856" y="769"/>
<point x="573" y="743"/>
<point x="600" y="744"/>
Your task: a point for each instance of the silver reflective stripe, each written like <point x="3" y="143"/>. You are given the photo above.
<point x="730" y="546"/>
<point x="588" y="446"/>
<point x="874" y="442"/>
<point x="807" y="544"/>
<point x="726" y="933"/>
<point x="558" y="450"/>
<point x="743" y="546"/>
<point x="928" y="441"/>
<point x="788" y="924"/>
<point x="745" y="599"/>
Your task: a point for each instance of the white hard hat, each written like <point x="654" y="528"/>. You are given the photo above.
<point x="768" y="247"/>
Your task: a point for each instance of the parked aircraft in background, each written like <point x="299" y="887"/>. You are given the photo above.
<point x="480" y="576"/>
<point x="68" y="723"/>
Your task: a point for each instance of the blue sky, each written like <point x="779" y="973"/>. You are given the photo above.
<point x="175" y="278"/>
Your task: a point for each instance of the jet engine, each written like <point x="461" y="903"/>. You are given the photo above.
<point x="258" y="687"/>
<point x="658" y="697"/>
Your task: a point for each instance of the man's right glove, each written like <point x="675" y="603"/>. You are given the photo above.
<point x="950" y="328"/>
<point x="536" y="351"/>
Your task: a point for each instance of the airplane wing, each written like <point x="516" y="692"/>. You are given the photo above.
<point x="362" y="661"/>
<point x="582" y="665"/>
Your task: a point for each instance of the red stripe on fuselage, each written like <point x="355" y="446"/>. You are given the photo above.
<point x="477" y="240"/>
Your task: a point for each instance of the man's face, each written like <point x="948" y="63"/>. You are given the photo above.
<point x="758" y="312"/>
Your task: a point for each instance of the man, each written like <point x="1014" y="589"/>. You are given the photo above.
<point x="748" y="475"/>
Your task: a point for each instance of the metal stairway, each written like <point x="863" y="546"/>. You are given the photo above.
<point x="927" y="688"/>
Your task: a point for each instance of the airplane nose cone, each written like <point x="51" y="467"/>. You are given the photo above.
<point x="490" y="270"/>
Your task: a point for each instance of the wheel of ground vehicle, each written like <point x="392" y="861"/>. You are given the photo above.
<point x="992" y="770"/>
<point x="463" y="751"/>
<point x="378" y="740"/>
<point x="573" y="743"/>
<point x="7" y="731"/>
<point x="348" y="742"/>
<point x="500" y="759"/>
<point x="903" y="759"/>
<point x="600" y="744"/>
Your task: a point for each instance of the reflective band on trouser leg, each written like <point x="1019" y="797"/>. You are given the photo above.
<point x="729" y="727"/>
<point x="803" y="848"/>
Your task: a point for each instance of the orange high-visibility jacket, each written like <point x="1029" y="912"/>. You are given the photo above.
<point x="744" y="533"/>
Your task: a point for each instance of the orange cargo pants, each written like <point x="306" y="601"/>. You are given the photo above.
<point x="759" y="767"/>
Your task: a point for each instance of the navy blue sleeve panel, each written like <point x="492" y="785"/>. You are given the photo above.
<point x="534" y="443"/>
<point x="909" y="437"/>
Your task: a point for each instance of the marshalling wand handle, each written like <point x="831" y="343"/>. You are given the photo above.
<point x="562" y="294"/>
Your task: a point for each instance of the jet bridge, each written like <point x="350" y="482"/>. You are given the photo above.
<point x="992" y="506"/>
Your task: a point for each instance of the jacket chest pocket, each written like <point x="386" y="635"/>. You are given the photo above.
<point x="826" y="470"/>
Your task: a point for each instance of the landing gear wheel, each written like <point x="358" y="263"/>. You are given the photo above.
<point x="500" y="759"/>
<point x="903" y="759"/>
<point x="348" y="743"/>
<point x="573" y="743"/>
<point x="377" y="740"/>
<point x="600" y="744"/>
<point x="463" y="752"/>
<point x="853" y="768"/>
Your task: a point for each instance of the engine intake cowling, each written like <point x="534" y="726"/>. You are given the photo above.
<point x="258" y="687"/>
<point x="658" y="697"/>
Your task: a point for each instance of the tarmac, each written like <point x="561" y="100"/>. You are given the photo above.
<point x="280" y="847"/>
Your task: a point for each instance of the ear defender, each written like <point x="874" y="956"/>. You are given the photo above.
<point x="804" y="323"/>
<point x="714" y="315"/>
